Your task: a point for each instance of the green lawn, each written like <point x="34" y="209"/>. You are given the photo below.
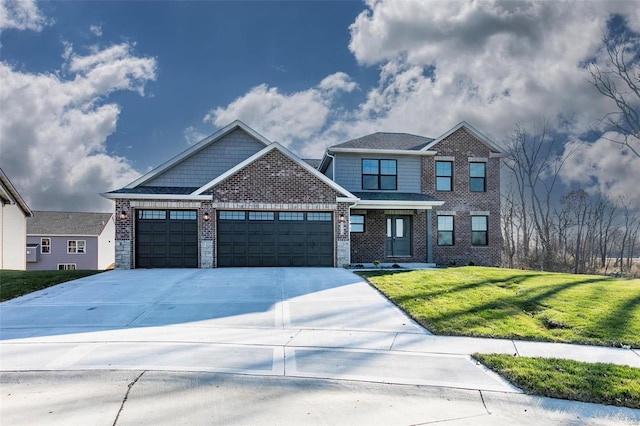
<point x="579" y="381"/>
<point x="506" y="303"/>
<point x="17" y="283"/>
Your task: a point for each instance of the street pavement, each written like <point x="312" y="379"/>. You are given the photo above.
<point x="257" y="346"/>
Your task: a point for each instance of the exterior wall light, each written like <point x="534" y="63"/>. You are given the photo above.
<point x="341" y="218"/>
<point x="123" y="215"/>
<point x="206" y="217"/>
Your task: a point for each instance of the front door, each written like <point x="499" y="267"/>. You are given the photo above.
<point x="398" y="236"/>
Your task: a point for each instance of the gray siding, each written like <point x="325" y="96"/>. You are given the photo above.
<point x="210" y="162"/>
<point x="59" y="254"/>
<point x="349" y="171"/>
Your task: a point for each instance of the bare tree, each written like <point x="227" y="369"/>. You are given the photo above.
<point x="619" y="80"/>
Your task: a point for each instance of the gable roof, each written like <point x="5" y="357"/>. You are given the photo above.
<point x="463" y="124"/>
<point x="67" y="223"/>
<point x="386" y="140"/>
<point x="10" y="195"/>
<point x="237" y="124"/>
<point x="262" y="153"/>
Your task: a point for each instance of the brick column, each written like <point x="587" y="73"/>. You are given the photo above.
<point x="343" y="242"/>
<point x="207" y="229"/>
<point x="124" y="235"/>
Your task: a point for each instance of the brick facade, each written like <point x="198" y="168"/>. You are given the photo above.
<point x="465" y="148"/>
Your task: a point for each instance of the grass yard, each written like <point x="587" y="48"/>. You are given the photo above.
<point x="18" y="283"/>
<point x="578" y="381"/>
<point x="515" y="304"/>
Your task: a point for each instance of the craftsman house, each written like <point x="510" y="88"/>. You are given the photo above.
<point x="237" y="199"/>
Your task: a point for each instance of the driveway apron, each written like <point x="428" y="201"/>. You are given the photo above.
<point x="297" y="322"/>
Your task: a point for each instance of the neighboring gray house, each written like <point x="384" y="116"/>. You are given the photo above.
<point x="70" y="240"/>
<point x="237" y="199"/>
<point x="13" y="226"/>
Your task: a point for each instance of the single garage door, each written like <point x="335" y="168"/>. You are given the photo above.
<point x="262" y="238"/>
<point x="166" y="239"/>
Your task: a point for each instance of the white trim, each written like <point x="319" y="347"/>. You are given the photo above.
<point x="479" y="213"/>
<point x="485" y="140"/>
<point x="398" y="205"/>
<point x="84" y="247"/>
<point x="262" y="153"/>
<point x="176" y="197"/>
<point x="373" y="151"/>
<point x="237" y="124"/>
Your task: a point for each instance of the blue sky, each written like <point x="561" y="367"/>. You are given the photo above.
<point x="95" y="93"/>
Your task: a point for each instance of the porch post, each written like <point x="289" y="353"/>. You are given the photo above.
<point x="429" y="236"/>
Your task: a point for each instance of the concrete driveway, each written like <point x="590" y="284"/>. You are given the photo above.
<point x="297" y="322"/>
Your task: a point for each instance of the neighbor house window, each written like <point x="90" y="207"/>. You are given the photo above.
<point x="66" y="266"/>
<point x="356" y="223"/>
<point x="76" y="246"/>
<point x="379" y="174"/>
<point x="445" y="230"/>
<point x="45" y="245"/>
<point x="444" y="175"/>
<point x="477" y="177"/>
<point x="479" y="230"/>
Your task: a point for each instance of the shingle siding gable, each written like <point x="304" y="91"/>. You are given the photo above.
<point x="210" y="162"/>
<point x="349" y="171"/>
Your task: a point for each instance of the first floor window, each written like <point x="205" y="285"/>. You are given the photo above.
<point x="445" y="230"/>
<point x="356" y="223"/>
<point x="76" y="246"/>
<point x="479" y="225"/>
<point x="45" y="245"/>
<point x="66" y="266"/>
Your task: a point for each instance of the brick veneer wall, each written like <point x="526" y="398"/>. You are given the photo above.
<point x="370" y="245"/>
<point x="464" y="147"/>
<point x="275" y="180"/>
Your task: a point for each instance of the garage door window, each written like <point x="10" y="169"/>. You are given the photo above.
<point x="182" y="215"/>
<point x="261" y="216"/>
<point x="319" y="217"/>
<point x="290" y="216"/>
<point x="152" y="214"/>
<point x="231" y="215"/>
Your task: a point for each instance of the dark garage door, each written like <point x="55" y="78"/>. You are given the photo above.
<point x="166" y="239"/>
<point x="275" y="238"/>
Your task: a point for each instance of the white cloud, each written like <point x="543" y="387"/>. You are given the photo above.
<point x="192" y="135"/>
<point x="96" y="30"/>
<point x="54" y="129"/>
<point x="284" y="117"/>
<point x="21" y="15"/>
<point x="604" y="166"/>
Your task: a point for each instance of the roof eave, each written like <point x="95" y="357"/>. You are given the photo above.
<point x="190" y="197"/>
<point x="382" y="151"/>
<point x="397" y="204"/>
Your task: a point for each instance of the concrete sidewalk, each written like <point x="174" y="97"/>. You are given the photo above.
<point x="167" y="398"/>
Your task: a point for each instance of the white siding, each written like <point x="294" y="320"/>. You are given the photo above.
<point x="107" y="245"/>
<point x="13" y="235"/>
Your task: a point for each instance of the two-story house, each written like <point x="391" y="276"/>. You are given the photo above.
<point x="238" y="199"/>
<point x="421" y="199"/>
<point x="70" y="240"/>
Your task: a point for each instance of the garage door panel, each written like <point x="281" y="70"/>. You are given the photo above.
<point x="289" y="239"/>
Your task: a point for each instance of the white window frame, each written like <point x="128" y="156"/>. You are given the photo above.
<point x="77" y="245"/>
<point x="42" y="245"/>
<point x="357" y="224"/>
<point x="67" y="266"/>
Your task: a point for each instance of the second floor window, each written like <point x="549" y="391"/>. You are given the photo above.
<point x="444" y="175"/>
<point x="379" y="174"/>
<point x="477" y="177"/>
<point x="76" y="246"/>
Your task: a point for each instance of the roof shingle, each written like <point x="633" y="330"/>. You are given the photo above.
<point x="67" y="223"/>
<point x="385" y="140"/>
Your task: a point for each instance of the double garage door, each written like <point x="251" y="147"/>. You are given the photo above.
<point x="247" y="238"/>
<point x="169" y="238"/>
